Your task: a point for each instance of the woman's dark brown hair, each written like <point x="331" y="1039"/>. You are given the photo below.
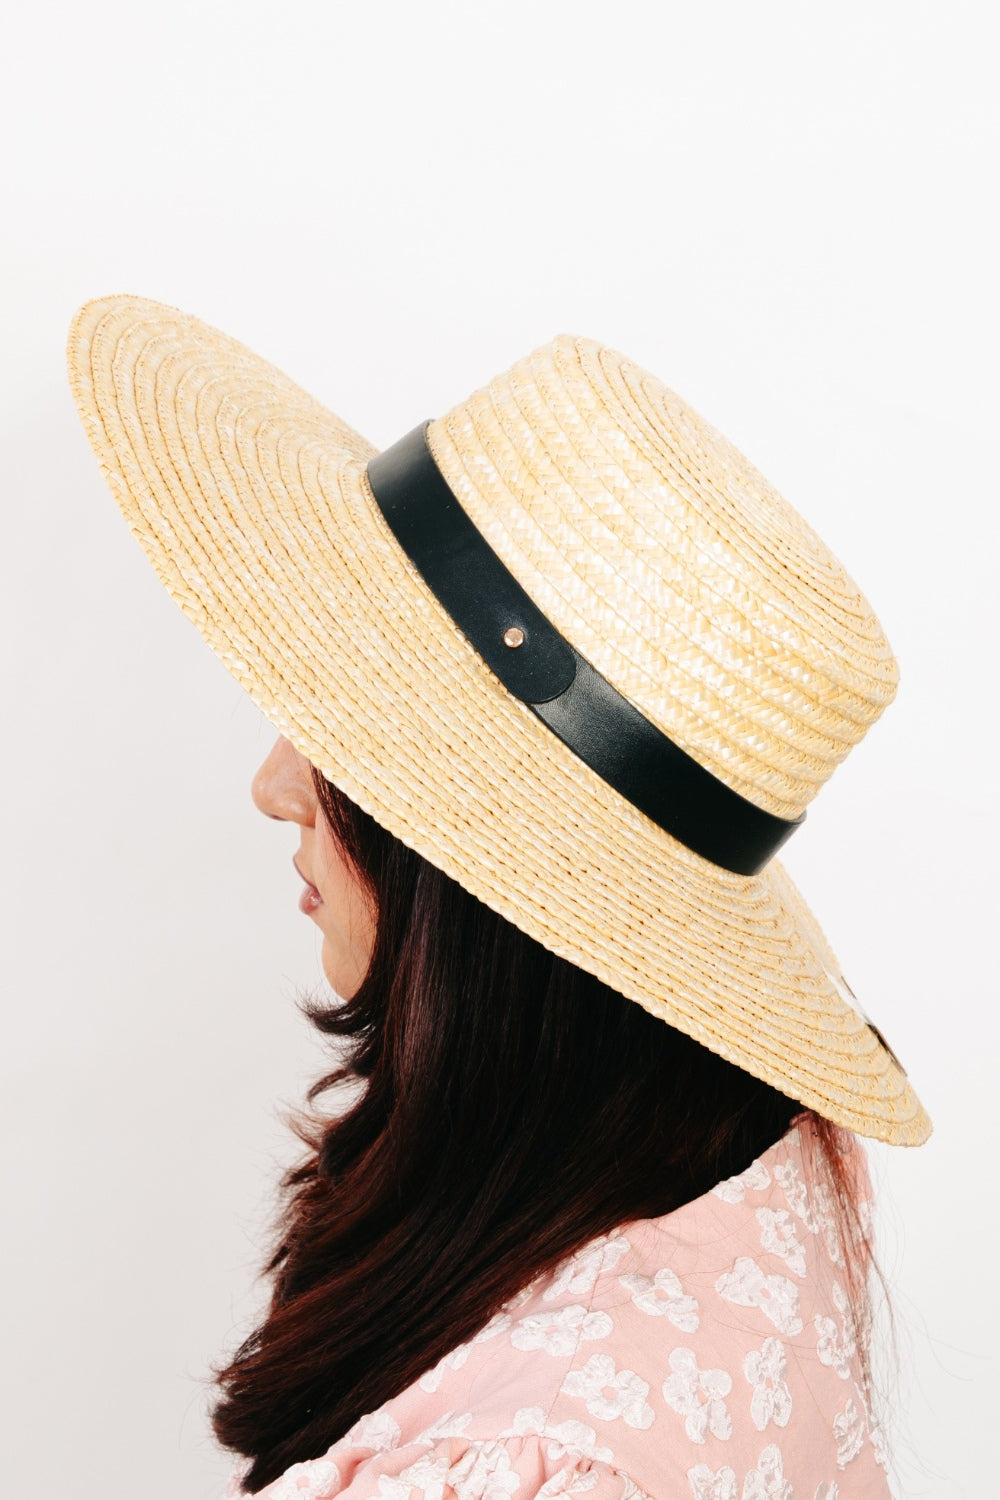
<point x="511" y="1107"/>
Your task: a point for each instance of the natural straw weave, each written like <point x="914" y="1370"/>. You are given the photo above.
<point x="656" y="549"/>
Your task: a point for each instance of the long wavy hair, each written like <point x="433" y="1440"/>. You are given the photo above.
<point x="508" y="1107"/>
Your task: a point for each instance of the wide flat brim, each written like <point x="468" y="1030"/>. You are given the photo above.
<point x="252" y="503"/>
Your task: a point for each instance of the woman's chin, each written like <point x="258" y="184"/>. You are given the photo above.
<point x="342" y="978"/>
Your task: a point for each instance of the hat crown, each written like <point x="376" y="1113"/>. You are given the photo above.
<point x="672" y="565"/>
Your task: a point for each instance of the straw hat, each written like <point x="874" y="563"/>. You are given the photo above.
<point x="578" y="653"/>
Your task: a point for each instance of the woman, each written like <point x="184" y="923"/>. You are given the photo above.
<point x="555" y="676"/>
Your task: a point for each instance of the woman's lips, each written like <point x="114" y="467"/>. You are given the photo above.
<point x="310" y="899"/>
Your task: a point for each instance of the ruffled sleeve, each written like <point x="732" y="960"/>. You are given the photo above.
<point x="439" y="1467"/>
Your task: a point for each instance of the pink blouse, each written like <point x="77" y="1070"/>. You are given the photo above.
<point x="706" y="1354"/>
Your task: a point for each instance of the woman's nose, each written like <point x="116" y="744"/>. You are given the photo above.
<point x="282" y="786"/>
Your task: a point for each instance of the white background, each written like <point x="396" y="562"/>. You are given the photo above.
<point x="788" y="213"/>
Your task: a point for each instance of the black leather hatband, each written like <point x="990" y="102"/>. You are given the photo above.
<point x="539" y="666"/>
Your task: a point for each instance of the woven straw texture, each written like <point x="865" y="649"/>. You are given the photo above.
<point x="648" y="540"/>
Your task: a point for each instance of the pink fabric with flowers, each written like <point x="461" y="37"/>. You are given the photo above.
<point x="704" y="1355"/>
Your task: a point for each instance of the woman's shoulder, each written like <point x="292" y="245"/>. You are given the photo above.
<point x="706" y="1353"/>
<point x="438" y="1466"/>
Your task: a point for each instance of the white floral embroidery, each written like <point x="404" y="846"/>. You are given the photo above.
<point x="849" y="1433"/>
<point x="314" y="1479"/>
<point x="483" y="1472"/>
<point x="788" y="1177"/>
<point x="827" y="1491"/>
<point x="630" y="1490"/>
<point x="499" y="1323"/>
<point x="559" y="1333"/>
<point x="456" y="1358"/>
<point x="836" y="1347"/>
<point x="450" y="1424"/>
<point x="578" y="1275"/>
<point x="776" y="1296"/>
<point x="698" y="1396"/>
<point x="526" y="1294"/>
<point x="661" y="1294"/>
<point x="826" y="1214"/>
<point x="377" y="1430"/>
<point x="754" y="1179"/>
<point x="627" y="1397"/>
<point x="709" y="1484"/>
<point x="777" y="1235"/>
<point x="765" y="1369"/>
<point x="431" y="1379"/>
<point x="767" y="1481"/>
<point x="428" y="1474"/>
<point x="529" y="1421"/>
<point x="574" y="1438"/>
<point x="878" y="1438"/>
<point x="865" y="1218"/>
